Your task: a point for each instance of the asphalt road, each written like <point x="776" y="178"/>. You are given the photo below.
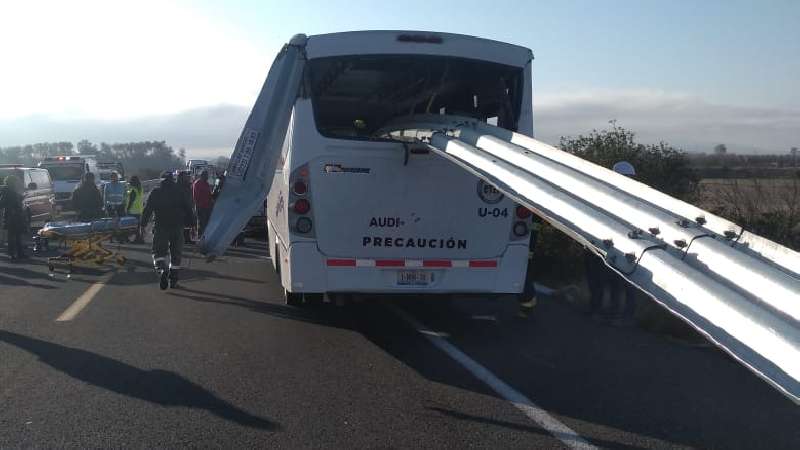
<point x="222" y="362"/>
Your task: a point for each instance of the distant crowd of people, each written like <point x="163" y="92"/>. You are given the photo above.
<point x="115" y="199"/>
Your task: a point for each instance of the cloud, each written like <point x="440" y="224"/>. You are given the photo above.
<point x="678" y="119"/>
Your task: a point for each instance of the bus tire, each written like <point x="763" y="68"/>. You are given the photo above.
<point x="292" y="298"/>
<point x="314" y="299"/>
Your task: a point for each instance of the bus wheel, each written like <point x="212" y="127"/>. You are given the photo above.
<point x="292" y="298"/>
<point x="313" y="299"/>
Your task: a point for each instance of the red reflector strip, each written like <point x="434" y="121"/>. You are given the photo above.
<point x="479" y="263"/>
<point x="390" y="263"/>
<point x="437" y="263"/>
<point x="342" y="262"/>
<point x="429" y="263"/>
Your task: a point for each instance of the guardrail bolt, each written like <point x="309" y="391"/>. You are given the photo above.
<point x="700" y="220"/>
<point x="730" y="234"/>
<point x="635" y="234"/>
<point x="684" y="223"/>
<point x="631" y="257"/>
<point x="654" y="231"/>
<point x="608" y="242"/>
<point x="680" y="243"/>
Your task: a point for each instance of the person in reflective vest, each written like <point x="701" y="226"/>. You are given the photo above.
<point x="527" y="299"/>
<point x="135" y="205"/>
<point x="114" y="196"/>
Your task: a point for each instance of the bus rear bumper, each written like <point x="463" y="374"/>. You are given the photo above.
<point x="311" y="271"/>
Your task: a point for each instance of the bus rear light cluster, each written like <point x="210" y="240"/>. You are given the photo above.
<point x="521" y="223"/>
<point x="300" y="202"/>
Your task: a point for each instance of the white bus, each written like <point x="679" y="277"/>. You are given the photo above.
<point x="355" y="206"/>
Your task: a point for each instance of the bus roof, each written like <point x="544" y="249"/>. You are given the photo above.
<point x="418" y="43"/>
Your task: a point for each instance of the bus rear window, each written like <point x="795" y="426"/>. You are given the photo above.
<point x="354" y="96"/>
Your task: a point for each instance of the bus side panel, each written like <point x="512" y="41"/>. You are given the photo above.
<point x="277" y="209"/>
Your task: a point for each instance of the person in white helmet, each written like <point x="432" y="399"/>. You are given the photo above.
<point x="601" y="278"/>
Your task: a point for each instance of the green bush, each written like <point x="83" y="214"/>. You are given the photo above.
<point x="558" y="257"/>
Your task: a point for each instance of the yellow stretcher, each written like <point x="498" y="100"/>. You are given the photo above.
<point x="85" y="241"/>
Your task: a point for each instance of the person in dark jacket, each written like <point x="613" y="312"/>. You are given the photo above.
<point x="87" y="199"/>
<point x="173" y="211"/>
<point x="13" y="215"/>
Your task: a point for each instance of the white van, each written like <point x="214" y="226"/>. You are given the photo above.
<point x="355" y="207"/>
<point x="67" y="172"/>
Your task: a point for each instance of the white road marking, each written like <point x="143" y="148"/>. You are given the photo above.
<point x="81" y="302"/>
<point x="484" y="317"/>
<point x="560" y="431"/>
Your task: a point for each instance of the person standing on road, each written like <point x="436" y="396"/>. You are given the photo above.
<point x="87" y="200"/>
<point x="602" y="278"/>
<point x="619" y="286"/>
<point x="184" y="182"/>
<point x="135" y="205"/>
<point x="171" y="208"/>
<point x="13" y="216"/>
<point x="201" y="193"/>
<point x="114" y="196"/>
<point x="527" y="299"/>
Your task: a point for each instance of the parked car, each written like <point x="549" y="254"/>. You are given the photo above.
<point x="39" y="197"/>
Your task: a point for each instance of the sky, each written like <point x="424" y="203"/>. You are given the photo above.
<point x="691" y="73"/>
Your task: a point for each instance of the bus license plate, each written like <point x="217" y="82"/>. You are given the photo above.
<point x="414" y="278"/>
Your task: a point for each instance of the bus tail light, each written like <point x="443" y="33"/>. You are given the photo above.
<point x="520" y="229"/>
<point x="303" y="225"/>
<point x="301" y="217"/>
<point x="299" y="187"/>
<point x="302" y="206"/>
<point x="523" y="212"/>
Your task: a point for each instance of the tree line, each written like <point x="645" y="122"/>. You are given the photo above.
<point x="147" y="159"/>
